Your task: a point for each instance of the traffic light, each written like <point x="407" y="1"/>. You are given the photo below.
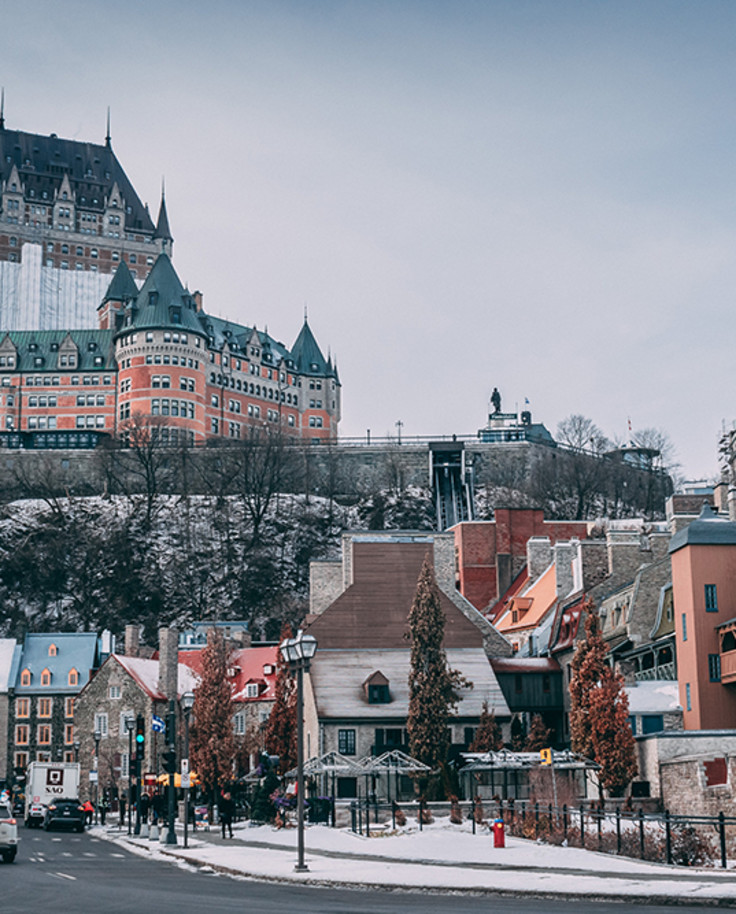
<point x="140" y="736"/>
<point x="170" y="761"/>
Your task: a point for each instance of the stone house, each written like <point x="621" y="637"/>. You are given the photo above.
<point x="356" y="694"/>
<point x="8" y="648"/>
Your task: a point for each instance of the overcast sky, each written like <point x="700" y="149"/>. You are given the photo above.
<point x="537" y="196"/>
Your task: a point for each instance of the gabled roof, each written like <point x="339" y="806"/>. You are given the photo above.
<point x="708" y="530"/>
<point x="531" y="605"/>
<point x="249" y="665"/>
<point x="122" y="286"/>
<point x="74" y="651"/>
<point x="145" y="673"/>
<point x="374" y="611"/>
<point x="93" y="170"/>
<point x="567" y="624"/>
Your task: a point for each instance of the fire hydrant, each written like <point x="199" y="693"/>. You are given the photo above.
<point x="499" y="837"/>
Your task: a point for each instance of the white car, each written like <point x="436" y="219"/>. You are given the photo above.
<point x="8" y="833"/>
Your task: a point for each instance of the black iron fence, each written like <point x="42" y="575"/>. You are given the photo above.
<point x="658" y="837"/>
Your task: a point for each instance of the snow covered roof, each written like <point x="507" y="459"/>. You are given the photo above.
<point x="654" y="697"/>
<point x="145" y="673"/>
<point x="337" y="678"/>
<point x="7" y="649"/>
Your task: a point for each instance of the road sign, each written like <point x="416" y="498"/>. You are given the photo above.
<point x="93" y="777"/>
<point x="546" y="756"/>
<point x="186" y="780"/>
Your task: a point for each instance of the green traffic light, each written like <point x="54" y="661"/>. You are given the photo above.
<point x="139" y="738"/>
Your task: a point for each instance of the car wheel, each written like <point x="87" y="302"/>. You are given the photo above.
<point x="46" y="826"/>
<point x="10" y="855"/>
<point x="80" y="828"/>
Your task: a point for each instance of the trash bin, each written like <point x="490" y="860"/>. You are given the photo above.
<point x="499" y="837"/>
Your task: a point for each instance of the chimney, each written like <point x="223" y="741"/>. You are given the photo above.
<point x="538" y="556"/>
<point x="168" y="662"/>
<point x="197" y="296"/>
<point x="132" y="640"/>
<point x="563" y="553"/>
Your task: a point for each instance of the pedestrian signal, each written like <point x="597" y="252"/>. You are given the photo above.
<point x="546" y="756"/>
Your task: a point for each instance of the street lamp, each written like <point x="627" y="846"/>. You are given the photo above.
<point x="75" y="744"/>
<point x="298" y="653"/>
<point x="130" y="726"/>
<point x="187" y="703"/>
<point x="97" y="736"/>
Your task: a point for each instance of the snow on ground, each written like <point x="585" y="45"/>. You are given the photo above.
<point x="441" y="856"/>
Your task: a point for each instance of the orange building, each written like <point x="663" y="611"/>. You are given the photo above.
<point x="160" y="360"/>
<point x="704" y="587"/>
<point x="490" y="554"/>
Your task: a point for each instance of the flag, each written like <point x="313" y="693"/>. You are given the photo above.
<point x="157" y="724"/>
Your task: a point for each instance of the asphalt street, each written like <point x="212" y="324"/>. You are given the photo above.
<point x="65" y="872"/>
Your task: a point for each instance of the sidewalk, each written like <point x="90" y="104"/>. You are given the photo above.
<point x="441" y="858"/>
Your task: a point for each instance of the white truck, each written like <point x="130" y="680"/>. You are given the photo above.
<point x="46" y="781"/>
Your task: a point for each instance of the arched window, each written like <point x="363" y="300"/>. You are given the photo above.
<point x="25" y="677"/>
<point x="73" y="677"/>
<point x="53" y="650"/>
<point x="46" y="677"/>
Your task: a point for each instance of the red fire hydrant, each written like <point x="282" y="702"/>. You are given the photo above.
<point x="499" y="836"/>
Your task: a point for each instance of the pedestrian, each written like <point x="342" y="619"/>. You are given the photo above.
<point x="226" y="806"/>
<point x="104" y="806"/>
<point x="145" y="803"/>
<point x="122" y="811"/>
<point x="88" y="811"/>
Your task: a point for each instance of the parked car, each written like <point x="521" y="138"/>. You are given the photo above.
<point x="8" y="833"/>
<point x="64" y="812"/>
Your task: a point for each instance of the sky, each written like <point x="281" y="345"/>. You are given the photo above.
<point x="531" y="195"/>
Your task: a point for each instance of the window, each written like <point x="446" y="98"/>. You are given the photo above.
<point x="44" y="707"/>
<point x="68" y="734"/>
<point x="101" y="723"/>
<point x="25" y="678"/>
<point x="21" y="734"/>
<point x="46" y="677"/>
<point x="711" y="598"/>
<point x="239" y="724"/>
<point x="378" y="694"/>
<point x="252" y="690"/>
<point x="684" y="627"/>
<point x="346" y="742"/>
<point x="714" y="667"/>
<point x="688" y="702"/>
<point x="53" y="650"/>
<point x="44" y="735"/>
<point x="21" y="760"/>
<point x="68" y="707"/>
<point x="115" y="692"/>
<point x="22" y="707"/>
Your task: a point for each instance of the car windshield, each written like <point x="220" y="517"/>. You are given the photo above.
<point x="5" y="811"/>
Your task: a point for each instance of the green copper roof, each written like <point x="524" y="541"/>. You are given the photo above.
<point x="163" y="301"/>
<point x="307" y="355"/>
<point x="122" y="287"/>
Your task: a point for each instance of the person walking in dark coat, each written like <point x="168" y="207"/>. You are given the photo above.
<point x="226" y="806"/>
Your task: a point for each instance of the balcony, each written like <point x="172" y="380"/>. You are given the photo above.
<point x="663" y="671"/>
<point x="728" y="666"/>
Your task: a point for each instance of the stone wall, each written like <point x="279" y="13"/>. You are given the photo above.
<point x="662" y="755"/>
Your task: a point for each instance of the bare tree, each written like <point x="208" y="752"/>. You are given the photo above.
<point x="579" y="432"/>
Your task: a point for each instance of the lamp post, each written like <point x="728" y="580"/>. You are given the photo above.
<point x="298" y="653"/>
<point x="130" y="726"/>
<point x="97" y="736"/>
<point x="75" y="744"/>
<point x="187" y="703"/>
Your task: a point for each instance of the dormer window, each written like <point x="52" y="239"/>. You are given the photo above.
<point x="25" y="677"/>
<point x="376" y="689"/>
<point x="91" y="346"/>
<point x="46" y="677"/>
<point x="153" y="298"/>
<point x="53" y="650"/>
<point x="73" y="678"/>
<point x="252" y="690"/>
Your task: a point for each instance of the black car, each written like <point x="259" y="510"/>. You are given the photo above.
<point x="64" y="812"/>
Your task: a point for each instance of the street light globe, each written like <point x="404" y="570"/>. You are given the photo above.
<point x="187" y="701"/>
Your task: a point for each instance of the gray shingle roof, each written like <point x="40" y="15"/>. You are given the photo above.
<point x="707" y="530"/>
<point x="32" y="345"/>
<point x="75" y="651"/>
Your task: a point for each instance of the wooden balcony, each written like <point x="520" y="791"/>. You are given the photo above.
<point x="728" y="666"/>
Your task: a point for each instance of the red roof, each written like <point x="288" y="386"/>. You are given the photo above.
<point x="248" y="665"/>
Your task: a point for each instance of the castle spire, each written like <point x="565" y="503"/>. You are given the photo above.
<point x="108" y="138"/>
<point x="2" y="108"/>
<point x="163" y="232"/>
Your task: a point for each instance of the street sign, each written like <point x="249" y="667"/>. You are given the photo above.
<point x="186" y="780"/>
<point x="546" y="756"/>
<point x="93" y="777"/>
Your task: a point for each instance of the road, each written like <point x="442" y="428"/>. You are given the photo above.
<point x="65" y="872"/>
